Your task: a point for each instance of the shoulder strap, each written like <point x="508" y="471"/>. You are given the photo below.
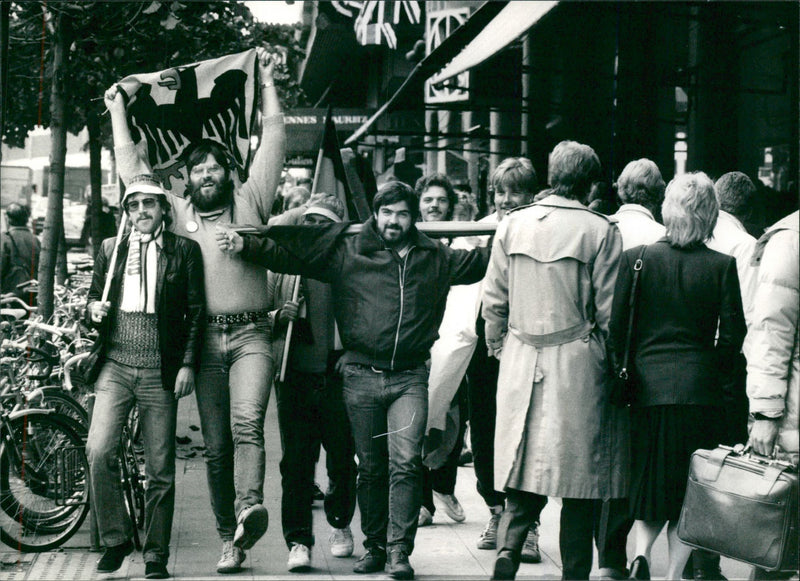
<point x="637" y="267"/>
<point x="14" y="244"/>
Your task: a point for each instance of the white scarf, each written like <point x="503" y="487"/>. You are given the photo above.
<point x="141" y="271"/>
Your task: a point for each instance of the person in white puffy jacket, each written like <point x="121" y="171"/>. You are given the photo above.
<point x="771" y="348"/>
<point x="771" y="345"/>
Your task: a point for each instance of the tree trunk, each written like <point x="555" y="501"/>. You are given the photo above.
<point x="5" y="8"/>
<point x="95" y="177"/>
<point x="54" y="221"/>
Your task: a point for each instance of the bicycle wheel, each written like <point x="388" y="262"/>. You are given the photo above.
<point x="44" y="491"/>
<point x="31" y="452"/>
<point x="55" y="398"/>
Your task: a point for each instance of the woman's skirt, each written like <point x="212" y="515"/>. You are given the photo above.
<point x="663" y="439"/>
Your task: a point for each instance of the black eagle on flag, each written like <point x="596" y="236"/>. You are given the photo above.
<point x="174" y="108"/>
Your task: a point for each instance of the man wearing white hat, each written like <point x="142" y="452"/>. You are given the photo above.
<point x="149" y="345"/>
<point x="234" y="378"/>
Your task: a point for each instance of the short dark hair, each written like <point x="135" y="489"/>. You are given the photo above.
<point x="573" y="167"/>
<point x="735" y="193"/>
<point x="394" y="192"/>
<point x="17" y="214"/>
<point x="198" y="152"/>
<point x="442" y="181"/>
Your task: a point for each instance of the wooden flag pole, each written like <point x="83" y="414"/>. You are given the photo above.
<point x="113" y="262"/>
<point x="296" y="291"/>
<point x="289" y="327"/>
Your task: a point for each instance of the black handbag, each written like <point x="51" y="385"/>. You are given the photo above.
<point x="743" y="507"/>
<point x="623" y="388"/>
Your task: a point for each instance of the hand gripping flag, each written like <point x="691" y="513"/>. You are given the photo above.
<point x="174" y="108"/>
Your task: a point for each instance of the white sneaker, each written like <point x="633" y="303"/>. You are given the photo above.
<point x="341" y="542"/>
<point x="450" y="505"/>
<point x="425" y="517"/>
<point x="299" y="558"/>
<point x="231" y="559"/>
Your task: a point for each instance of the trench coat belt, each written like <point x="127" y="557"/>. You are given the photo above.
<point x="579" y="331"/>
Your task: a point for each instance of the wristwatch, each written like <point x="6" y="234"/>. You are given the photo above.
<point x="760" y="416"/>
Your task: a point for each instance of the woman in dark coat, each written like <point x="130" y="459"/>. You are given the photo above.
<point x="686" y="293"/>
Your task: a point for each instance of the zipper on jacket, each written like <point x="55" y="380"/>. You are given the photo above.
<point x="401" y="271"/>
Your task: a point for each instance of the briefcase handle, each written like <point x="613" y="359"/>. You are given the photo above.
<point x="746" y="450"/>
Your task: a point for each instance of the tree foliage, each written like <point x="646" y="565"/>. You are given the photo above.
<point x="111" y="40"/>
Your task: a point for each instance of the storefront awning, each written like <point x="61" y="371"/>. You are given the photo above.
<point x="516" y="18"/>
<point x="445" y="52"/>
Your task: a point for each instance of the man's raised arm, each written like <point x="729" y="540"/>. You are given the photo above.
<point x="130" y="161"/>
<point x="267" y="165"/>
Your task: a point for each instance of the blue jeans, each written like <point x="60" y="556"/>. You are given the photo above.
<point x="118" y="388"/>
<point x="388" y="412"/>
<point x="232" y="394"/>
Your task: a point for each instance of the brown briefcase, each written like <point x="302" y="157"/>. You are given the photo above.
<point x="743" y="507"/>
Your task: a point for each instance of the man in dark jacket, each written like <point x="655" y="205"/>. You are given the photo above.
<point x="389" y="285"/>
<point x="20" y="253"/>
<point x="150" y="336"/>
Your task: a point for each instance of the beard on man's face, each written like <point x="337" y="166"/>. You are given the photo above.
<point x="210" y="195"/>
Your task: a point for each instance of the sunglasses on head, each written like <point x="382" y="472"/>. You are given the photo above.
<point x="146" y="203"/>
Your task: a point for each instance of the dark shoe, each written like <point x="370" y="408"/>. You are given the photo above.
<point x="253" y="523"/>
<point x="155" y="570"/>
<point x="372" y="561"/>
<point x="639" y="568"/>
<point x="703" y="574"/>
<point x="399" y="567"/>
<point x="113" y="557"/>
<point x="504" y="566"/>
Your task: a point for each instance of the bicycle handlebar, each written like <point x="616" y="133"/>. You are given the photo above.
<point x="53" y="329"/>
<point x="69" y="364"/>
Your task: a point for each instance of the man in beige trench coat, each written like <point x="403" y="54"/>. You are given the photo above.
<point x="547" y="301"/>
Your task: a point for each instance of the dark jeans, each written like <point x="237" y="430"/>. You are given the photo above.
<point x="482" y="393"/>
<point x="443" y="479"/>
<point x="118" y="388"/>
<point x="388" y="412"/>
<point x="311" y="411"/>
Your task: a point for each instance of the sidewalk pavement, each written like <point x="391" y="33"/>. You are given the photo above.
<point x="445" y="550"/>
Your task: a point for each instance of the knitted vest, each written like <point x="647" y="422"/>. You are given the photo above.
<point x="133" y="340"/>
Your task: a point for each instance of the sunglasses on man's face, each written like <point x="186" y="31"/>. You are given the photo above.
<point x="146" y="203"/>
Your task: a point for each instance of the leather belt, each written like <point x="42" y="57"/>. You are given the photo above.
<point x="239" y="318"/>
